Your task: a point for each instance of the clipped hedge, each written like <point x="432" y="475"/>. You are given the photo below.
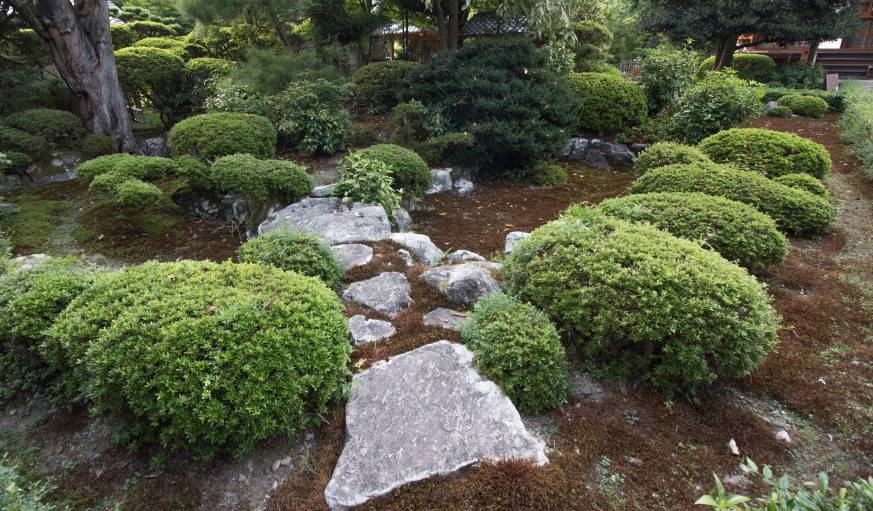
<point x="375" y="85"/>
<point x="771" y="153"/>
<point x="97" y="144"/>
<point x="174" y="46"/>
<point x="518" y="348"/>
<point x="606" y="103"/>
<point x="408" y="170"/>
<point x="640" y="302"/>
<point x="294" y="251"/>
<point x="147" y="168"/>
<point x="836" y="100"/>
<point x="59" y="127"/>
<point x="780" y="111"/>
<point x="15" y="140"/>
<point x="259" y="180"/>
<point x="806" y="106"/>
<point x="804" y="182"/>
<point x="211" y="136"/>
<point x="737" y="231"/>
<point x="796" y="212"/>
<point x="262" y="352"/>
<point x="751" y="66"/>
<point x="667" y="153"/>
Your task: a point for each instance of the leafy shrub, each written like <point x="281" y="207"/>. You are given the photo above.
<point x="155" y="76"/>
<point x="667" y="153"/>
<point x="835" y="100"/>
<point x="287" y="181"/>
<point x="665" y="73"/>
<point x="560" y="57"/>
<point x="195" y="172"/>
<point x="257" y="179"/>
<point x="519" y="349"/>
<point x="547" y="174"/>
<point x="206" y="68"/>
<point x="294" y="251"/>
<point x="13" y="160"/>
<point x="139" y="167"/>
<point x="408" y="123"/>
<point x="796" y="212"/>
<point x="269" y="72"/>
<point x="800" y="75"/>
<point x="174" y="46"/>
<point x="367" y="180"/>
<point x="135" y="195"/>
<point x="780" y="111"/>
<point x="737" y="231"/>
<point x="122" y="35"/>
<point x="211" y="136"/>
<point x="151" y="29"/>
<point x="606" y="103"/>
<point x="750" y="66"/>
<point x="804" y="182"/>
<point x="35" y="146"/>
<point x="97" y="144"/>
<point x="592" y="44"/>
<point x="856" y="126"/>
<point x="807" y="106"/>
<point x="309" y="115"/>
<point x="641" y="302"/>
<point x="771" y="153"/>
<point x="262" y="350"/>
<point x="57" y="126"/>
<point x="499" y="91"/>
<point x="31" y="87"/>
<point x="450" y="149"/>
<point x="409" y="172"/>
<point x="718" y="102"/>
<point x="375" y="85"/>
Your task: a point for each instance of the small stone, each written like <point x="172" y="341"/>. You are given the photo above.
<point x="783" y="436"/>
<point x="352" y="255"/>
<point x="441" y="181"/>
<point x="596" y="143"/>
<point x="635" y="462"/>
<point x="419" y="245"/>
<point x="243" y="479"/>
<point x="732" y="445"/>
<point x="737" y="480"/>
<point x="464" y="186"/>
<point x="387" y="293"/>
<point x="276" y="465"/>
<point x="638" y="147"/>
<point x="770" y="106"/>
<point x="460" y="256"/>
<point x="446" y="318"/>
<point x="323" y="191"/>
<point x="365" y="331"/>
<point x="406" y="256"/>
<point x="512" y="240"/>
<point x="402" y="220"/>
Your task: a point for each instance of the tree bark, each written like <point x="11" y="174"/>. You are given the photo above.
<point x="454" y="17"/>
<point x="78" y="34"/>
<point x="442" y="29"/>
<point x="812" y="56"/>
<point x="724" y="52"/>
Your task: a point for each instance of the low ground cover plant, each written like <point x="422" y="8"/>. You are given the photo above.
<point x="518" y="348"/>
<point x="796" y="212"/>
<point x="771" y="153"/>
<point x="751" y="66"/>
<point x="607" y="104"/>
<point x="804" y="182"/>
<point x="640" y="302"/>
<point x="408" y="170"/>
<point x="211" y="136"/>
<point x="294" y="251"/>
<point x="667" y="153"/>
<point x="807" y="106"/>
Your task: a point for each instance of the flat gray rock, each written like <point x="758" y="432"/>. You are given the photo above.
<point x="323" y="191"/>
<point x="446" y="318"/>
<point x="619" y="154"/>
<point x="441" y="181"/>
<point x="328" y="218"/>
<point x="387" y="293"/>
<point x="420" y="414"/>
<point x="575" y="149"/>
<point x="512" y="240"/>
<point x="419" y="245"/>
<point x="459" y="256"/>
<point x="402" y="220"/>
<point x="352" y="255"/>
<point x="364" y="331"/>
<point x="464" y="283"/>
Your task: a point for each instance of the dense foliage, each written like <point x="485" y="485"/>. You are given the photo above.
<point x="718" y="102"/>
<point x="27" y="87"/>
<point x="369" y="181"/>
<point x="59" y="127"/>
<point x="35" y="146"/>
<point x="836" y="100"/>
<point x="518" y="348"/>
<point x="548" y="174"/>
<point x="210" y="136"/>
<point x="667" y="153"/>
<point x="796" y="212"/>
<point x="409" y="172"/>
<point x="804" y="182"/>
<point x="641" y="302"/>
<point x="800" y="75"/>
<point x="97" y="144"/>
<point x="294" y="251"/>
<point x="376" y="86"/>
<point x="856" y="126"/>
<point x="780" y="111"/>
<point x="258" y="180"/>
<point x="751" y="66"/>
<point x="665" y="73"/>
<point x="771" y="153"/>
<point x="807" y="106"/>
<point x="607" y="103"/>
<point x="157" y="77"/>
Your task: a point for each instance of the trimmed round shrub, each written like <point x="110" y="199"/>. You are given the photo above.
<point x="259" y="179"/>
<point x="518" y="348"/>
<point x="173" y="46"/>
<point x="35" y="146"/>
<point x="796" y="212"/>
<point x="667" y="153"/>
<point x="135" y="194"/>
<point x="287" y="181"/>
<point x="122" y="35"/>
<point x="548" y="174"/>
<point x="836" y="100"/>
<point x="157" y="77"/>
<point x="205" y="68"/>
<point x="737" y="231"/>
<point x="780" y="111"/>
<point x="751" y="66"/>
<point x="211" y="136"/>
<point x="151" y="29"/>
<point x="107" y="182"/>
<point x="148" y="168"/>
<point x="640" y="302"/>
<point x="57" y="126"/>
<point x="607" y="103"/>
<point x="409" y="171"/>
<point x="807" y="106"/>
<point x="194" y="171"/>
<point x="368" y="181"/>
<point x="97" y="145"/>
<point x="375" y="85"/>
<point x="771" y="153"/>
<point x="294" y="251"/>
<point x="804" y="182"/>
<point x="206" y="357"/>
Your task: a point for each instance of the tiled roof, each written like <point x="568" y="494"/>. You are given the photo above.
<point x="487" y="23"/>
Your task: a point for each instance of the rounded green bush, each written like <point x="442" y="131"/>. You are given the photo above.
<point x="97" y="145"/>
<point x="287" y="181"/>
<point x="146" y="28"/>
<point x="807" y="106"/>
<point x="211" y="136"/>
<point x="667" y="153"/>
<point x="751" y="66"/>
<point x="122" y="35"/>
<point x="771" y="153"/>
<point x="108" y="182"/>
<point x="518" y="348"/>
<point x="607" y="103"/>
<point x="15" y="161"/>
<point x="57" y="126"/>
<point x="375" y="86"/>
<point x="205" y="68"/>
<point x="195" y="172"/>
<point x="206" y="357"/>
<point x="294" y="251"/>
<point x="549" y="174"/>
<point x="140" y="167"/>
<point x="409" y="171"/>
<point x="796" y="212"/>
<point x="804" y="182"/>
<point x="780" y="111"/>
<point x="35" y="146"/>
<point x="174" y="46"/>
<point x="641" y="302"/>
<point x="137" y="195"/>
<point x="737" y="231"/>
<point x="259" y="179"/>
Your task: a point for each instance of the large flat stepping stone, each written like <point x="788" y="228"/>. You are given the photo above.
<point x="446" y="318"/>
<point x="352" y="255"/>
<point x="387" y="293"/>
<point x="465" y="283"/>
<point x="365" y="331"/>
<point x="419" y="245"/>
<point x="424" y="413"/>
<point x="331" y="220"/>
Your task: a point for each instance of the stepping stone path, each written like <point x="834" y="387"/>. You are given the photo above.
<point x="365" y="331"/>
<point x="330" y="219"/>
<point x="446" y="318"/>
<point x="387" y="293"/>
<point x="465" y="283"/>
<point x="352" y="255"/>
<point x="420" y="414"/>
<point x="419" y="245"/>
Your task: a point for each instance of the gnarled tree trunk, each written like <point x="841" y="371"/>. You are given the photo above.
<point x="78" y="33"/>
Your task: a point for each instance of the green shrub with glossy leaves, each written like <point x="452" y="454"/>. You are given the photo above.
<point x="294" y="251"/>
<point x="751" y="66"/>
<point x="518" y="348"/>
<point x="718" y="102"/>
<point x="408" y="170"/>
<point x="263" y="351"/>
<point x="667" y="153"/>
<point x="737" y="231"/>
<point x="804" y="182"/>
<point x="211" y="136"/>
<point x="807" y="106"/>
<point x="640" y="302"/>
<point x="772" y="153"/>
<point x="59" y="127"/>
<point x="369" y="181"/>
<point x="607" y="103"/>
<point x="15" y="140"/>
<point x="375" y="86"/>
<point x="796" y="212"/>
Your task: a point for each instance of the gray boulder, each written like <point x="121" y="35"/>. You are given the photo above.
<point x="446" y="318"/>
<point x="619" y="154"/>
<point x="464" y="186"/>
<point x="575" y="150"/>
<point x="441" y="181"/>
<point x="323" y="191"/>
<point x="421" y="414"/>
<point x="352" y="255"/>
<point x="406" y="256"/>
<point x="402" y="220"/>
<point x="464" y="283"/>
<point x="328" y="218"/>
<point x="595" y="159"/>
<point x="365" y="331"/>
<point x="459" y="256"/>
<point x="512" y="240"/>
<point x="387" y="293"/>
<point x="156" y="146"/>
<point x="419" y="245"/>
<point x="639" y="147"/>
<point x="770" y="106"/>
